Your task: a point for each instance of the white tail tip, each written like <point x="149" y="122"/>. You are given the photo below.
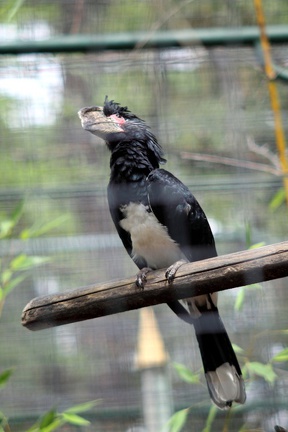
<point x="226" y="386"/>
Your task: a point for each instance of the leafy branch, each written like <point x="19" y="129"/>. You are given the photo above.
<point x="16" y="270"/>
<point x="12" y="273"/>
<point x="52" y="420"/>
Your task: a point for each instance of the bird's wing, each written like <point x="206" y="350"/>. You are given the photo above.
<point x="176" y="208"/>
<point x="118" y="196"/>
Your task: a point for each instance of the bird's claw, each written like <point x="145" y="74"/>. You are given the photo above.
<point x="172" y="270"/>
<point x="170" y="273"/>
<point x="141" y="278"/>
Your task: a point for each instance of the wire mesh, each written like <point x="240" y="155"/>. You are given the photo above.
<point x="212" y="102"/>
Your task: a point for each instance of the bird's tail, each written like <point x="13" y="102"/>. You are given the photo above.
<point x="221" y="367"/>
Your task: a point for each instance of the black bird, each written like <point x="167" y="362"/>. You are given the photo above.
<point x="162" y="225"/>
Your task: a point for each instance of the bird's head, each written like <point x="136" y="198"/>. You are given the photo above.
<point x="116" y="124"/>
<point x="108" y="122"/>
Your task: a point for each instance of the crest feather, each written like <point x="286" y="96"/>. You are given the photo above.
<point x="111" y="107"/>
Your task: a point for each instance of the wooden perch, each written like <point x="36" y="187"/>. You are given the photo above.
<point x="202" y="277"/>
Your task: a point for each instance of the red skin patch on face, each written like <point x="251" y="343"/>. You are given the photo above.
<point x="119" y="120"/>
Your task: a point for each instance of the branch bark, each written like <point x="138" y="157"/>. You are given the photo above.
<point x="202" y="277"/>
<point x="256" y="166"/>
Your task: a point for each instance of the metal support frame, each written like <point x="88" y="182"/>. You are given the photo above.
<point x="160" y="39"/>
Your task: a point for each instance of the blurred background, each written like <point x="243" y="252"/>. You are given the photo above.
<point x="209" y="106"/>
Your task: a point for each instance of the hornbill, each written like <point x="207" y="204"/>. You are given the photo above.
<point x="162" y="225"/>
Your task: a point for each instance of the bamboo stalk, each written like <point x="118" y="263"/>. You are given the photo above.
<point x="273" y="93"/>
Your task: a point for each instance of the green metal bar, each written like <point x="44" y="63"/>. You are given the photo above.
<point x="160" y="39"/>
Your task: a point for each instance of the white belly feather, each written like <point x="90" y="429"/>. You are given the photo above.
<point x="150" y="239"/>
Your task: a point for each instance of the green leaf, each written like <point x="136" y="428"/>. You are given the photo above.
<point x="24" y="262"/>
<point x="17" y="212"/>
<point x="241" y="295"/>
<point x="210" y="419"/>
<point x="40" y="229"/>
<point x="186" y="374"/>
<point x="17" y="262"/>
<point x="254" y="286"/>
<point x="75" y="419"/>
<point x="282" y="356"/>
<point x="6" y="276"/>
<point x="52" y="426"/>
<point x="263" y="370"/>
<point x="5" y="228"/>
<point x="277" y="200"/>
<point x="4" y="377"/>
<point x="248" y="234"/>
<point x="239" y="299"/>
<point x="14" y="9"/>
<point x="237" y="349"/>
<point x="55" y="424"/>
<point x="178" y="420"/>
<point x="7" y="225"/>
<point x="4" y="426"/>
<point x="34" y="428"/>
<point x="82" y="407"/>
<point x="13" y="283"/>
<point x="48" y="418"/>
<point x="257" y="245"/>
<point x="53" y="420"/>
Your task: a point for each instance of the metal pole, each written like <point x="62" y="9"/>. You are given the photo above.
<point x="158" y="39"/>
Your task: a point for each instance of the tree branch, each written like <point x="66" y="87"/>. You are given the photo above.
<point x="202" y="277"/>
<point x="256" y="166"/>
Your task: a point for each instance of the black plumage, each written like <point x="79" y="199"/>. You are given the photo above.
<point x="161" y="224"/>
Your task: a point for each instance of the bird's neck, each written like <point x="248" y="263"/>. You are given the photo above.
<point x="131" y="161"/>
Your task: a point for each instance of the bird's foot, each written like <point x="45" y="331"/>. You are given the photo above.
<point x="172" y="270"/>
<point x="141" y="277"/>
